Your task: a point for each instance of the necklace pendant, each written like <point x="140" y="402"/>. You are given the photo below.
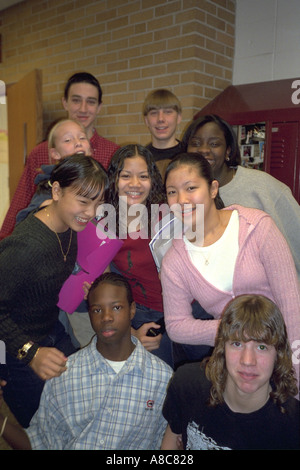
<point x="58" y="239"/>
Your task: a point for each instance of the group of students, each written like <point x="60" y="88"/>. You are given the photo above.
<point x="234" y="296"/>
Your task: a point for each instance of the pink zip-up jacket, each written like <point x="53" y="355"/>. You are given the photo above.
<point x="264" y="266"/>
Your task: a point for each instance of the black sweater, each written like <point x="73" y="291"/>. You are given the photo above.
<point x="32" y="272"/>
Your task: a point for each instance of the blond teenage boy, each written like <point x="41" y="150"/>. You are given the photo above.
<point x="162" y="115"/>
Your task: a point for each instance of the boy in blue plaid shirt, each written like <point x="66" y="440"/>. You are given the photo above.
<point x="111" y="396"/>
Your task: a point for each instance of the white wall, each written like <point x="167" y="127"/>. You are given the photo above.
<point x="267" y="41"/>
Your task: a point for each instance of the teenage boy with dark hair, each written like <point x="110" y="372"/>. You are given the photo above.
<point x="112" y="393"/>
<point x="82" y="100"/>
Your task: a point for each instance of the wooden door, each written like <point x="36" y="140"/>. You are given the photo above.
<point x="284" y="162"/>
<point x="24" y="122"/>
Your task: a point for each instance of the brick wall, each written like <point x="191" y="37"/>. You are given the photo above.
<point x="132" y="46"/>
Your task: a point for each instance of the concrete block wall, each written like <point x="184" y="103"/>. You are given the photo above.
<point x="132" y="46"/>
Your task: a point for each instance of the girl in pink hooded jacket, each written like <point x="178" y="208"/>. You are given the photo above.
<point x="241" y="252"/>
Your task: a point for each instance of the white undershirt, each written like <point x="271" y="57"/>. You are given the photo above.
<point x="216" y="262"/>
<point x="116" y="365"/>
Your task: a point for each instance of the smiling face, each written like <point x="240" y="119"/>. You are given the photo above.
<point x="250" y="366"/>
<point x="69" y="138"/>
<point x="110" y="315"/>
<point x="209" y="141"/>
<point x="72" y="210"/>
<point x="162" y="124"/>
<point x="186" y="188"/>
<point x="134" y="181"/>
<point x="83" y="105"/>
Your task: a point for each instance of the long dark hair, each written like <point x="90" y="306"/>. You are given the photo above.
<point x="229" y="134"/>
<point x="202" y="166"/>
<point x="156" y="194"/>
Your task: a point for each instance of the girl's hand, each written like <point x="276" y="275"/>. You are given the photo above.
<point x="48" y="363"/>
<point x="86" y="287"/>
<point x="149" y="342"/>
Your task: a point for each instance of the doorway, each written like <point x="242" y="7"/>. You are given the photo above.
<point x="24" y="122"/>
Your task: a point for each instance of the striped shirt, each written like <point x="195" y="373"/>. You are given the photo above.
<point x="91" y="407"/>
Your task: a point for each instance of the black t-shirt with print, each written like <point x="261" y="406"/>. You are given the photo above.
<point x="207" y="428"/>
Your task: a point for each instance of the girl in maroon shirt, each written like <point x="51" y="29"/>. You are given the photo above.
<point x="135" y="188"/>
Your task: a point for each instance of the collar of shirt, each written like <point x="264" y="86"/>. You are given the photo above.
<point x="135" y="361"/>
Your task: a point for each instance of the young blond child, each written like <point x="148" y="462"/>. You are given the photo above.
<point x="66" y="138"/>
